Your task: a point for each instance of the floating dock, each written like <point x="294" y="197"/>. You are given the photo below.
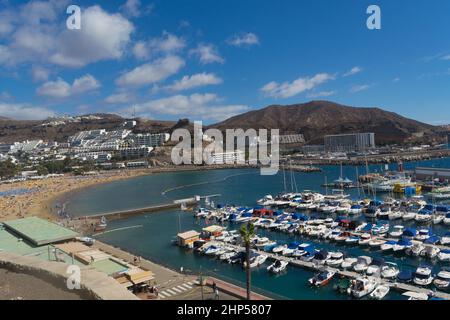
<point x="403" y="287"/>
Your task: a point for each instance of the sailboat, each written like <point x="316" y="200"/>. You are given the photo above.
<point x="102" y="225"/>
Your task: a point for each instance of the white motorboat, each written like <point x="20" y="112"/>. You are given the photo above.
<point x="416" y="250"/>
<point x="375" y="267"/>
<point x="372" y="212"/>
<point x="397" y="231"/>
<point x="355" y="209"/>
<point x="267" y="200"/>
<point x="256" y="260"/>
<point x="412" y="295"/>
<point x="402" y="245"/>
<point x="278" y="266"/>
<point x="279" y="249"/>
<point x="394" y="215"/>
<point x="444" y="255"/>
<point x="376" y="243"/>
<point x="380" y="292"/>
<point x="442" y="280"/>
<point x="408" y="216"/>
<point x="363" y="286"/>
<point x="388" y="246"/>
<point x="335" y="259"/>
<point x="227" y="255"/>
<point x="348" y="262"/>
<point x="423" y="235"/>
<point x="364" y="239"/>
<point x="430" y="252"/>
<point x="447" y="219"/>
<point x="438" y="218"/>
<point x="424" y="216"/>
<point x="423" y="276"/>
<point x="362" y="264"/>
<point x="390" y="270"/>
<point x="445" y="239"/>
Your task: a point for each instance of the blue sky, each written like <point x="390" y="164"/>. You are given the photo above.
<point x="208" y="60"/>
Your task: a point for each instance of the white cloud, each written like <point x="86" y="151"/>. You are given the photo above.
<point x="103" y="36"/>
<point x="245" y="39"/>
<point x="38" y="35"/>
<point x="359" y="88"/>
<point x="207" y="53"/>
<point x="195" y="81"/>
<point x="24" y="111"/>
<point x="132" y="8"/>
<point x="321" y="94"/>
<point x="290" y="89"/>
<point x="151" y="72"/>
<point x="206" y="106"/>
<point x="62" y="89"/>
<point x="167" y="43"/>
<point x="39" y="73"/>
<point x="118" y="98"/>
<point x="397" y="79"/>
<point x="353" y="71"/>
<point x="446" y="57"/>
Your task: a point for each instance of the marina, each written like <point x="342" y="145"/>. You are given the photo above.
<point x="256" y="187"/>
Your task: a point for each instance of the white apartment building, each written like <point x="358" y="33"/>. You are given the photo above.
<point x="235" y="157"/>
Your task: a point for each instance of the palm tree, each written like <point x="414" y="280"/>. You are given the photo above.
<point x="247" y="232"/>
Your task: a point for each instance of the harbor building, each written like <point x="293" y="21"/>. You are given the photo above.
<point x="432" y="173"/>
<point x="349" y="142"/>
<point x="188" y="238"/>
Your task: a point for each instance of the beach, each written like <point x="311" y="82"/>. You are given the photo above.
<point x="42" y="194"/>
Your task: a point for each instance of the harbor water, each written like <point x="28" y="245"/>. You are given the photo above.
<point x="150" y="235"/>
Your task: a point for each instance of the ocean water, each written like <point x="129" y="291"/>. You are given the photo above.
<point x="151" y="235"/>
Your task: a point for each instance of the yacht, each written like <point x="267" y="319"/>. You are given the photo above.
<point x="348" y="262"/>
<point x="336" y="259"/>
<point x="322" y="278"/>
<point x="321" y="257"/>
<point x="390" y="270"/>
<point x="278" y="266"/>
<point x="380" y="292"/>
<point x="402" y="245"/>
<point x="375" y="267"/>
<point x="355" y="209"/>
<point x="364" y="239"/>
<point x="444" y="255"/>
<point x="408" y="216"/>
<point x="363" y="286"/>
<point x="423" y="235"/>
<point x="447" y="219"/>
<point x="362" y="264"/>
<point x="397" y="231"/>
<point x="388" y="246"/>
<point x="442" y="280"/>
<point x="279" y="249"/>
<point x="430" y="252"/>
<point x="256" y="260"/>
<point x="423" y="276"/>
<point x="424" y="216"/>
<point x="445" y="239"/>
<point x="372" y="212"/>
<point x="289" y="250"/>
<point x="376" y="243"/>
<point x="396" y="214"/>
<point x="416" y="250"/>
<point x="267" y="200"/>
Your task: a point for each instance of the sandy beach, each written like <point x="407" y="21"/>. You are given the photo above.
<point x="43" y="194"/>
<point x="38" y="201"/>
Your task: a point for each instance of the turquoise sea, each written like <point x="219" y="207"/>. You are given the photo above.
<point x="151" y="234"/>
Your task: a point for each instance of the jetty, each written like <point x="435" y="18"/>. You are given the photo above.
<point x="124" y="214"/>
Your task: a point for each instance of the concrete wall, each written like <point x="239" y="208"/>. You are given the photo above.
<point x="94" y="284"/>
